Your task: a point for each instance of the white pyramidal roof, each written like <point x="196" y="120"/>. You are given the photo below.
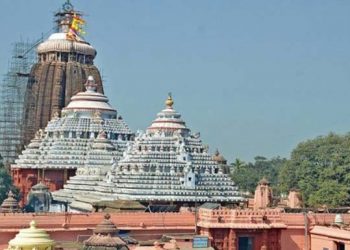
<point x="167" y="163"/>
<point x="67" y="140"/>
<point x="168" y="120"/>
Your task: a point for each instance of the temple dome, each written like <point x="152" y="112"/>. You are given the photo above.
<point x="219" y="158"/>
<point x="58" y="42"/>
<point x="10" y="204"/>
<point x="106" y="226"/>
<point x="89" y="100"/>
<point x="105" y="237"/>
<point x="32" y="238"/>
<point x="168" y="120"/>
<point x="264" y="181"/>
<point x="40" y="187"/>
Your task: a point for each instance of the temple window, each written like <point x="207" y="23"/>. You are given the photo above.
<point x="64" y="57"/>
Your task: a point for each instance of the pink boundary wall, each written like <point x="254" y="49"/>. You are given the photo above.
<point x="72" y="226"/>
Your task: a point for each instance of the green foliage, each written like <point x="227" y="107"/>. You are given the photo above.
<point x="320" y="169"/>
<point x="247" y="176"/>
<point x="5" y="183"/>
<point x="330" y="193"/>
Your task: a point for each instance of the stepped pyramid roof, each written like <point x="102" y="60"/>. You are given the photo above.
<point x="70" y="141"/>
<point x="169" y="163"/>
<point x="10" y="204"/>
<point x="166" y="163"/>
<point x="32" y="238"/>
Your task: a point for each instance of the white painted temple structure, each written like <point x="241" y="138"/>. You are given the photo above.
<point x="88" y="135"/>
<point x="166" y="164"/>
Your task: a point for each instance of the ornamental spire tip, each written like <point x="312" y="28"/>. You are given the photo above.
<point x="169" y="102"/>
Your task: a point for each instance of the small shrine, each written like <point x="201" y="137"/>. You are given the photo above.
<point x="263" y="194"/>
<point x="10" y="204"/>
<point x="105" y="237"/>
<point x="32" y="238"/>
<point x="39" y="198"/>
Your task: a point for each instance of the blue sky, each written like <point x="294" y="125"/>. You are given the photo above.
<point x="254" y="77"/>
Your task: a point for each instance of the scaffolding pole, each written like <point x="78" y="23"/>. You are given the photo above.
<point x="13" y="88"/>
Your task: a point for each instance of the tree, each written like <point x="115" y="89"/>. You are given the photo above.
<point x="5" y="183"/>
<point x="320" y="168"/>
<point x="247" y="176"/>
<point x="237" y="164"/>
<point x="330" y="193"/>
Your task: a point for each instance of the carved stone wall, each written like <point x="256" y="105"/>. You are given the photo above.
<point x="50" y="88"/>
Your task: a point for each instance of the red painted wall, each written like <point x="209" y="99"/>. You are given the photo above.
<point x="24" y="179"/>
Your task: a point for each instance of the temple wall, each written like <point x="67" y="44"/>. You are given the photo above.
<point x="327" y="243"/>
<point x="279" y="230"/>
<point x="70" y="227"/>
<point x="322" y="242"/>
<point x="292" y="239"/>
<point x="24" y="179"/>
<point x="330" y="238"/>
<point x="155" y="234"/>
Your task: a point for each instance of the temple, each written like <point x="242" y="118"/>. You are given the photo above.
<point x="165" y="165"/>
<point x="32" y="238"/>
<point x="65" y="60"/>
<point x="10" y="204"/>
<point x="89" y="132"/>
<point x="106" y="236"/>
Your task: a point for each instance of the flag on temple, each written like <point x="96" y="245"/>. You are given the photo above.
<point x="76" y="28"/>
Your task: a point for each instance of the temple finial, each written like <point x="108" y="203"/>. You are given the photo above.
<point x="90" y="84"/>
<point x="32" y="224"/>
<point x="217" y="153"/>
<point x="68" y="6"/>
<point x="169" y="102"/>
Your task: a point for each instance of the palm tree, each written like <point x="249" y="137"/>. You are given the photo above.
<point x="236" y="164"/>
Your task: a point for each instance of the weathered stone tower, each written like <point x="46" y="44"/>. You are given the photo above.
<point x="64" y="63"/>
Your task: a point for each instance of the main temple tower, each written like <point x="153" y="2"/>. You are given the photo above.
<point x="65" y="60"/>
